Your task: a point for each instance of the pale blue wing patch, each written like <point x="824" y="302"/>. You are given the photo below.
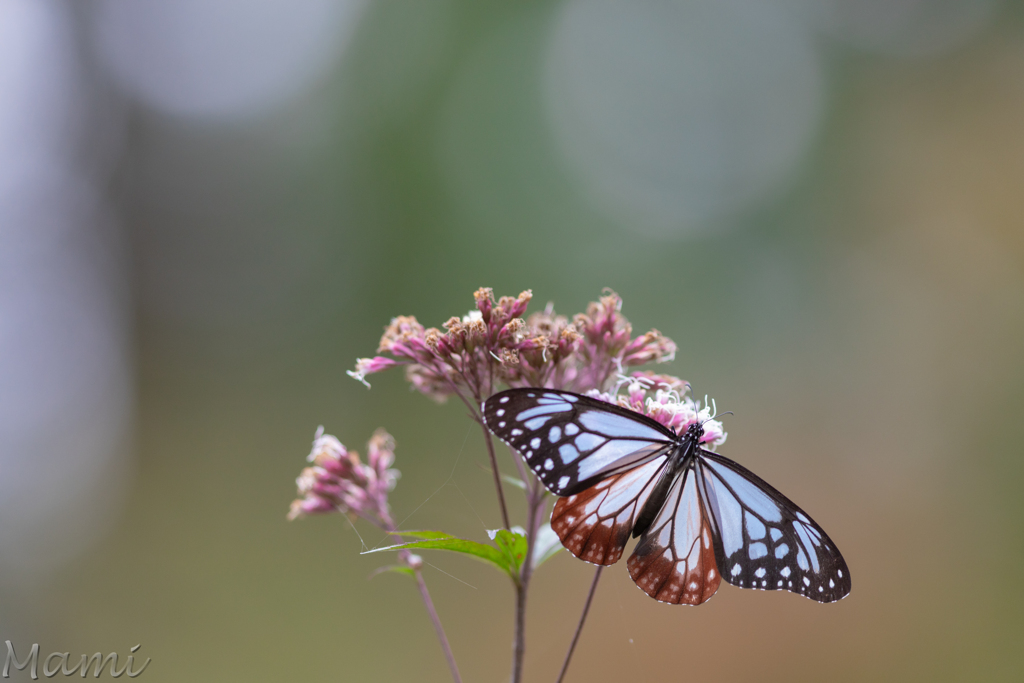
<point x="613" y="425"/>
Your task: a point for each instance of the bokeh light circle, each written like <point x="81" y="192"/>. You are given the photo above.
<point x="675" y="114"/>
<point x="228" y="58"/>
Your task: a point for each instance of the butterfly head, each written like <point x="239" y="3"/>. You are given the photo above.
<point x="695" y="431"/>
<point x="712" y="432"/>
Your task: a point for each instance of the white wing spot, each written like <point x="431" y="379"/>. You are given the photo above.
<point x="736" y="569"/>
<point x="831" y="583"/>
<point x="807" y="582"/>
<point x="500" y="412"/>
<point x="780" y="583"/>
<point x="555" y="434"/>
<point x="757" y="550"/>
<point x="571" y="429"/>
<point x="840" y="573"/>
<point x="764" y="583"/>
<point x="759" y="573"/>
<point x="535" y="442"/>
<point x="785" y="572"/>
<point x="503" y="399"/>
<point x="501" y="425"/>
<point x="563" y="482"/>
<point x="821" y="589"/>
<point x="515" y="432"/>
<point x="776" y="534"/>
<point x="781" y="551"/>
<point x="548" y="464"/>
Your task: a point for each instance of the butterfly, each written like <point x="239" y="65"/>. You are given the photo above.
<point x="701" y="517"/>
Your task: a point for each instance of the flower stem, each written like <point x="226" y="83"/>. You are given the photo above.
<point x="535" y="506"/>
<point x="579" y="626"/>
<point x="497" y="475"/>
<point x="406" y="557"/>
<point x="425" y="594"/>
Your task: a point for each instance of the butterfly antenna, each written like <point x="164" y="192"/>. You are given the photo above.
<point x="714" y="407"/>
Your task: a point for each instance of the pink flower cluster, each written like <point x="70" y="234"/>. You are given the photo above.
<point x="339" y="481"/>
<point x="663" y="398"/>
<point x="495" y="344"/>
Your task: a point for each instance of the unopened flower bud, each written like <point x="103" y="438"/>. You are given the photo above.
<point x="484" y="302"/>
<point x="368" y="366"/>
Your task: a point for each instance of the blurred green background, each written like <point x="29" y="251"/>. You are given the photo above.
<point x="209" y="210"/>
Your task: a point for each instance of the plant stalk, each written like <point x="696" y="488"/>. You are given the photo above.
<point x="579" y="626"/>
<point x="404" y="557"/>
<point x="535" y="508"/>
<point x="497" y="475"/>
<point x="425" y="594"/>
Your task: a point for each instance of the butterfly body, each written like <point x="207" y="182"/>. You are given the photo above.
<point x="700" y="517"/>
<point x="678" y="459"/>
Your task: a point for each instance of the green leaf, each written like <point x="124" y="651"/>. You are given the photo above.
<point x="515" y="481"/>
<point x="513" y="544"/>
<point x="429" y="535"/>
<point x="546" y="545"/>
<point x="396" y="568"/>
<point x="442" y="541"/>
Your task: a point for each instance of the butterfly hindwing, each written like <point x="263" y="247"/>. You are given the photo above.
<point x="763" y="540"/>
<point x="595" y="524"/>
<point x="572" y="441"/>
<point x="675" y="559"/>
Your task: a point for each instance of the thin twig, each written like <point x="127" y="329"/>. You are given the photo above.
<point x="535" y="506"/>
<point x="497" y="475"/>
<point x="425" y="594"/>
<point x="473" y="410"/>
<point x="405" y="556"/>
<point x="518" y="461"/>
<point x="579" y="626"/>
<point x="475" y="414"/>
<point x="519" y="643"/>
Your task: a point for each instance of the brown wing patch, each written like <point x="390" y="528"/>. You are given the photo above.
<point x="595" y="524"/>
<point x="675" y="561"/>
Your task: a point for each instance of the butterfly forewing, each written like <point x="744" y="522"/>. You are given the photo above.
<point x="595" y="524"/>
<point x="572" y="441"/>
<point x="675" y="559"/>
<point x="763" y="540"/>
